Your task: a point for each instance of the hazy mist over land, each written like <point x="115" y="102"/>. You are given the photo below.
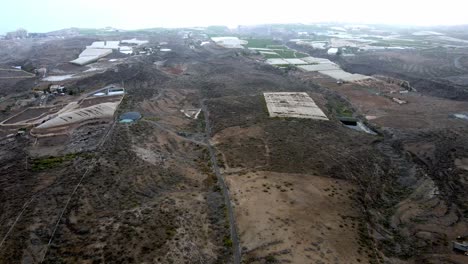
<point x="48" y="15"/>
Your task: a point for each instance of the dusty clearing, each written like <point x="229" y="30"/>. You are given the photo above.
<point x="296" y="218"/>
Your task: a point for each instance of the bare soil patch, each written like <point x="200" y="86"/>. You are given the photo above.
<point x="296" y="218"/>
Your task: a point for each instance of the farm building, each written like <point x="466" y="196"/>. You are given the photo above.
<point x="332" y="51"/>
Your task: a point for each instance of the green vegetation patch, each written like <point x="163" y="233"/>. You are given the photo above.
<point x="302" y="55"/>
<point x="277" y="47"/>
<point x="339" y="108"/>
<point x="402" y="43"/>
<point x="271" y="56"/>
<point x="286" y="54"/>
<point x="227" y="241"/>
<point x="51" y="162"/>
<point x="290" y="54"/>
<point x="259" y="43"/>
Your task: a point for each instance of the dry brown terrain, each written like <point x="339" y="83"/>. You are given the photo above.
<point x="298" y="190"/>
<point x="296" y="218"/>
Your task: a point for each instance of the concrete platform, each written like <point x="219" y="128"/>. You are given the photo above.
<point x="292" y="104"/>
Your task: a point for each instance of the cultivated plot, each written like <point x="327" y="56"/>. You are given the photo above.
<point x="277" y="62"/>
<point x="287" y="104"/>
<point x="319" y="67"/>
<point x="345" y="76"/>
<point x="329" y="68"/>
<point x="295" y="61"/>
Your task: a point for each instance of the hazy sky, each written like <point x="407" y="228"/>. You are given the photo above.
<point x="47" y="15"/>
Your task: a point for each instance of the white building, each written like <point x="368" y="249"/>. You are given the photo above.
<point x="332" y="51"/>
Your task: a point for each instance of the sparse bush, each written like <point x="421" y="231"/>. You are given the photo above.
<point x="270" y="259"/>
<point x="227" y="242"/>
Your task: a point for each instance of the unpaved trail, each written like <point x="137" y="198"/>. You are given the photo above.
<point x="232" y="222"/>
<point x="175" y="134"/>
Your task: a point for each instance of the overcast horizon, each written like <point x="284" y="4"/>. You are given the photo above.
<point x="49" y="15"/>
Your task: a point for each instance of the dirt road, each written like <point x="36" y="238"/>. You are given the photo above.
<point x="227" y="197"/>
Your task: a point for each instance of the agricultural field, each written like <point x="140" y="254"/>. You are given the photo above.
<point x="436" y="71"/>
<point x="284" y="54"/>
<point x="270" y="49"/>
<point x="261" y="43"/>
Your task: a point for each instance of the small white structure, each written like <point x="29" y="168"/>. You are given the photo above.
<point x="116" y="91"/>
<point x="56" y="88"/>
<point x="191" y="113"/>
<point x="293" y="104"/>
<point x="398" y="101"/>
<point x="126" y="50"/>
<point x="332" y="51"/>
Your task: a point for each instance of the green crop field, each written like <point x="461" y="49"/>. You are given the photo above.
<point x="271" y="56"/>
<point x="259" y="43"/>
<point x="301" y="55"/>
<point x="402" y="43"/>
<point x="286" y="54"/>
<point x="277" y="47"/>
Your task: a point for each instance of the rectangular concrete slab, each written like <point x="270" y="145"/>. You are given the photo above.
<point x="316" y="60"/>
<point x="345" y="76"/>
<point x="293" y="104"/>
<point x="90" y="55"/>
<point x="276" y="61"/>
<point x="295" y="61"/>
